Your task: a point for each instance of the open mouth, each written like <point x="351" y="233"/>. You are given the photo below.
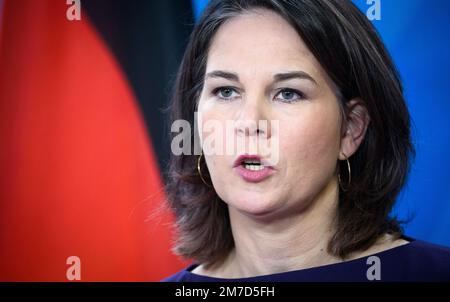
<point x="253" y="168"/>
<point x="252" y="165"/>
<point x="251" y="162"/>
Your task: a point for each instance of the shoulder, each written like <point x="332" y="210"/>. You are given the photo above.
<point x="180" y="276"/>
<point x="422" y="251"/>
<point x="417" y="261"/>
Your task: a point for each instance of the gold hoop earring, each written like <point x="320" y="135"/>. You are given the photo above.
<point x="349" y="175"/>
<point x="200" y="170"/>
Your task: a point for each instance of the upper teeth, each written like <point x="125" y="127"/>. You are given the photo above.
<point x="253" y="165"/>
<point x="252" y="162"/>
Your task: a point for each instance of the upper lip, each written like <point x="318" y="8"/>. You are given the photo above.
<point x="241" y="158"/>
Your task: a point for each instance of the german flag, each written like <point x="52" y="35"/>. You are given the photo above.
<point x="83" y="148"/>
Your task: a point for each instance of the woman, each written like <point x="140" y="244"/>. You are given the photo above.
<point x="319" y="210"/>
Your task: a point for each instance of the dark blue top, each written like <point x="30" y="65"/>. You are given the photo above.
<point x="414" y="261"/>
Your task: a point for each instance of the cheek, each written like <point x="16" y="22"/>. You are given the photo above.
<point x="213" y="132"/>
<point x="213" y="139"/>
<point x="310" y="142"/>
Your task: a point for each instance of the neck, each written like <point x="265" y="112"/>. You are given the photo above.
<point x="288" y="242"/>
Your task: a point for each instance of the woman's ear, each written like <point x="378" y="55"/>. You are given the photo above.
<point x="354" y="128"/>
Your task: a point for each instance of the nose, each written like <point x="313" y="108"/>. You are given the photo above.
<point x="253" y="119"/>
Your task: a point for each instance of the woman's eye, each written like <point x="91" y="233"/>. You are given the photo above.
<point x="289" y="95"/>
<point x="225" y="93"/>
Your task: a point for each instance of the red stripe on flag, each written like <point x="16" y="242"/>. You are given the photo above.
<point x="78" y="176"/>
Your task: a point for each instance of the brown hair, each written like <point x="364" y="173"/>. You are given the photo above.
<point x="348" y="48"/>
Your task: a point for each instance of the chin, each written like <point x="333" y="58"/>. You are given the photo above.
<point x="254" y="204"/>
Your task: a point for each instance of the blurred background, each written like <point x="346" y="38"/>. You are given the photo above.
<point x="84" y="140"/>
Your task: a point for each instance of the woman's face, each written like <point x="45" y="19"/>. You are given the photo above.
<point x="258" y="68"/>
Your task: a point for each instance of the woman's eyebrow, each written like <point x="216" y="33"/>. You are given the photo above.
<point x="279" y="77"/>
<point x="223" y="74"/>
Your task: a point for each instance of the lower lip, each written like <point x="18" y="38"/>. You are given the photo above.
<point x="253" y="176"/>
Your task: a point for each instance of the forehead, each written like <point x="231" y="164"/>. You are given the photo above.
<point x="259" y="41"/>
